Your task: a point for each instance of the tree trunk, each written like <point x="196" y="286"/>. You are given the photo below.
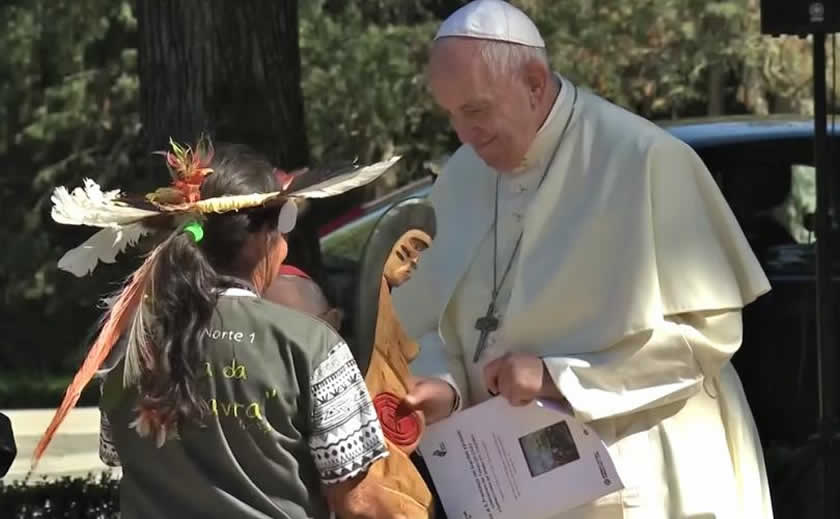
<point x="232" y="70"/>
<point x="716" y="100"/>
<point x="229" y="68"/>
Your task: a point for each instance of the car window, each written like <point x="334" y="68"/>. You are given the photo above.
<point x="796" y="212"/>
<point x="348" y="240"/>
<point x="760" y="196"/>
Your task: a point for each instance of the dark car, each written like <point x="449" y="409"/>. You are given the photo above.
<point x="764" y="167"/>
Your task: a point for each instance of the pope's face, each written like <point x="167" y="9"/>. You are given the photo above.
<point x="492" y="113"/>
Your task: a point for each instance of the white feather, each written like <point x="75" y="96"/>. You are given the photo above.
<point x="102" y="246"/>
<point x="91" y="206"/>
<point x="351" y="180"/>
<point x="138" y="340"/>
<point x="288" y="217"/>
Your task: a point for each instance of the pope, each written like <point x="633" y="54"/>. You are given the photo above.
<point x="584" y="254"/>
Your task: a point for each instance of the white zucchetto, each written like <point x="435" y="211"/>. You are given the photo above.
<point x="492" y="20"/>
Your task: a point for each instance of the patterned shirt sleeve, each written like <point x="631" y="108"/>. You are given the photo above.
<point x="107" y="449"/>
<point x="346" y="435"/>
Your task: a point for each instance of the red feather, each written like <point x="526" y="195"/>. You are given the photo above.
<point x="119" y="317"/>
<point x="283" y="178"/>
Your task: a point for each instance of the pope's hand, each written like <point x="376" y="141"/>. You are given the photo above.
<point x="519" y="377"/>
<point x="433" y="397"/>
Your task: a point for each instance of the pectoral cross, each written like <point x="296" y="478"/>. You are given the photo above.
<point x="486" y="324"/>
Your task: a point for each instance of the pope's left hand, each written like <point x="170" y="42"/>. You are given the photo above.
<point x="519" y="377"/>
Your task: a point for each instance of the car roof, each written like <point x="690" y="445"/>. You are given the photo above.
<point x="705" y="132"/>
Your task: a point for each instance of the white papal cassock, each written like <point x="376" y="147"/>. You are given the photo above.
<point x="629" y="283"/>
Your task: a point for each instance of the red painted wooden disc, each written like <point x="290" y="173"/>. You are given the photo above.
<point x="401" y="430"/>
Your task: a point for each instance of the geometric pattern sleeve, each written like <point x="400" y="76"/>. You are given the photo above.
<point x="107" y="449"/>
<point x="346" y="435"/>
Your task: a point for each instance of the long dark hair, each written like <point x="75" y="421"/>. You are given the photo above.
<point x="185" y="284"/>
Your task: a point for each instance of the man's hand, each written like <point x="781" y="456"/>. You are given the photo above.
<point x="433" y="397"/>
<point x="361" y="497"/>
<point x="520" y="378"/>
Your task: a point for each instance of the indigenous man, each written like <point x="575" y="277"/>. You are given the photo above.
<point x="294" y="288"/>
<point x="582" y="253"/>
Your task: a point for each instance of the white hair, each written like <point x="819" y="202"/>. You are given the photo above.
<point x="505" y="58"/>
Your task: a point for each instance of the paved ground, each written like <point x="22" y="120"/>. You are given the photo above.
<point x="73" y="451"/>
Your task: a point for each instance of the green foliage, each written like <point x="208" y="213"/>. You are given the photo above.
<point x="68" y="111"/>
<point x="662" y="58"/>
<point x="364" y="90"/>
<point x="67" y="498"/>
<point x="40" y="391"/>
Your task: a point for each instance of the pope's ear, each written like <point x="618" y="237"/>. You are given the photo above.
<point x="537" y="77"/>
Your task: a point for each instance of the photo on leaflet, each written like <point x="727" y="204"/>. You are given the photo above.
<point x="549" y="448"/>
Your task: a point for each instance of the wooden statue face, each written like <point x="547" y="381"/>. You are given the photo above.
<point x="404" y="255"/>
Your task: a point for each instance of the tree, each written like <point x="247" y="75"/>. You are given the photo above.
<point x="231" y="69"/>
<point x="67" y="106"/>
<point x="676" y="58"/>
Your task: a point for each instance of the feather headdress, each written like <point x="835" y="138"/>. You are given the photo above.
<point x="125" y="220"/>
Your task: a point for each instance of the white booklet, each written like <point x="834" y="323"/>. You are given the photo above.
<point x="497" y="461"/>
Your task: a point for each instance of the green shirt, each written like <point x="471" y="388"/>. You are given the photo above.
<point x="289" y="411"/>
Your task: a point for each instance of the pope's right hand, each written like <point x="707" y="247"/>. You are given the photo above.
<point x="433" y="397"/>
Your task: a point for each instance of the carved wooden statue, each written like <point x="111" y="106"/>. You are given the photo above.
<point x="387" y="378"/>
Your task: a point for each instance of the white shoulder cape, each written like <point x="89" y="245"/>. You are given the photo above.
<point x="627" y="228"/>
